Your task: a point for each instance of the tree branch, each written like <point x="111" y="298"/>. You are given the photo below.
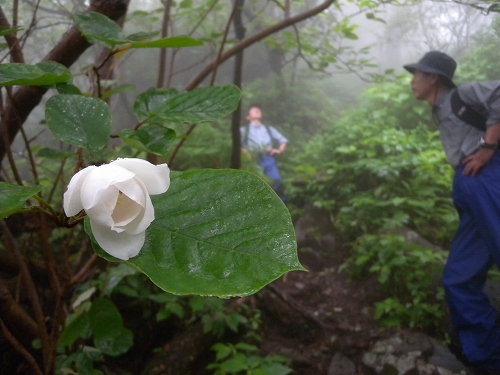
<point x="69" y="49"/>
<point x="21" y="349"/>
<point x="254" y="39"/>
<point x="19" y="323"/>
<point x="16" y="53"/>
<point x="30" y="286"/>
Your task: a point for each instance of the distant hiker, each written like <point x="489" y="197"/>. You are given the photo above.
<point x="259" y="140"/>
<point x="469" y="124"/>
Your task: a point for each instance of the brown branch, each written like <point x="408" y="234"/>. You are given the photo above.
<point x="20" y="349"/>
<point x="212" y="81"/>
<point x="9" y="265"/>
<point x="239" y="31"/>
<point x="181" y="143"/>
<point x="7" y="144"/>
<point x="69" y="49"/>
<point x="222" y="57"/>
<point x="16" y="53"/>
<point x="15" y="13"/>
<point x="20" y="324"/>
<point x="224" y="38"/>
<point x="22" y="39"/>
<point x="175" y="51"/>
<point x="31" y="289"/>
<point x="83" y="273"/>
<point x="30" y="156"/>
<point x="254" y="39"/>
<point x="163" y="51"/>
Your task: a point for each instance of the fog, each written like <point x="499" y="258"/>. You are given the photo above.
<point x="406" y="33"/>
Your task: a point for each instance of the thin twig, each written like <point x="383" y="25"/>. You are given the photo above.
<point x="256" y="38"/>
<point x="179" y="145"/>
<point x="214" y="74"/>
<point x="224" y="39"/>
<point x="30" y="155"/>
<point x="20" y="349"/>
<point x="31" y="289"/>
<point x="78" y="278"/>
<point x="163" y="51"/>
<point x="57" y="180"/>
<point x="8" y="145"/>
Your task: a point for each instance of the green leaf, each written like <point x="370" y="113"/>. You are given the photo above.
<point x="234" y="365"/>
<point x="141" y="36"/>
<point x="186" y="4"/>
<point x="246" y="347"/>
<point x="107" y="327"/>
<point x="494" y="8"/>
<point x="117" y="274"/>
<point x="74" y="330"/>
<point x="153" y="139"/>
<point x="217" y="232"/>
<point x="174" y="42"/>
<point x="146" y="103"/>
<point x="99" y="29"/>
<point x="13" y="197"/>
<point x="79" y="120"/>
<point x="47" y="73"/>
<point x="118" y="90"/>
<point x="203" y="104"/>
<point x="68" y="88"/>
<point x="6" y="31"/>
<point x="84" y="360"/>
<point x="277" y="369"/>
<point x="223" y="351"/>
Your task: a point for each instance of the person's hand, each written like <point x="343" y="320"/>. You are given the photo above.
<point x="475" y="162"/>
<point x="274" y="151"/>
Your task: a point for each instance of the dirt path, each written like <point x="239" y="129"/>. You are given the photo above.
<point x="311" y="316"/>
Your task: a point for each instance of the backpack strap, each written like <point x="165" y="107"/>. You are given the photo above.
<point x="247" y="130"/>
<point x="273" y="140"/>
<point x="463" y="111"/>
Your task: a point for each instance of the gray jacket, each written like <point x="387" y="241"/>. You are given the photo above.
<point x="460" y="139"/>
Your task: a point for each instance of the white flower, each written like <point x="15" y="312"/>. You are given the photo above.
<point x="115" y="197"/>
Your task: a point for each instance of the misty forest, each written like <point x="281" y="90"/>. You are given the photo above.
<point x="228" y="278"/>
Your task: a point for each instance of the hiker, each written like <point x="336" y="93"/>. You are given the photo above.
<point x="469" y="125"/>
<point x="258" y="139"/>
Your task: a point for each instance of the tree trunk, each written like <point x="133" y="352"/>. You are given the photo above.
<point x="69" y="49"/>
<point x="238" y="69"/>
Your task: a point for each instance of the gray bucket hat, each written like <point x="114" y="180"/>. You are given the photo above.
<point x="435" y="62"/>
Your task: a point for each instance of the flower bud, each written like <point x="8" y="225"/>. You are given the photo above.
<point x="115" y="197"/>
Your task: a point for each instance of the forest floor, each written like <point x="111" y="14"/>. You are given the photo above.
<point x="312" y="317"/>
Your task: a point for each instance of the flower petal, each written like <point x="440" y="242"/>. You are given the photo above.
<point x="134" y="189"/>
<point x="72" y="202"/>
<point x="125" y="211"/>
<point x="102" y="211"/>
<point x="156" y="178"/>
<point x="144" y="220"/>
<point x="120" y="245"/>
<point x="97" y="182"/>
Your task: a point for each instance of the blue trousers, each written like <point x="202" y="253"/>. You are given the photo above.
<point x="268" y="164"/>
<point x="474" y="250"/>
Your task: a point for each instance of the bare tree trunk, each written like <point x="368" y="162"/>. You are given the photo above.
<point x="162" y="68"/>
<point x="163" y="51"/>
<point x="238" y="68"/>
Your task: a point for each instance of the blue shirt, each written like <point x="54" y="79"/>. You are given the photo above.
<point x="258" y="137"/>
